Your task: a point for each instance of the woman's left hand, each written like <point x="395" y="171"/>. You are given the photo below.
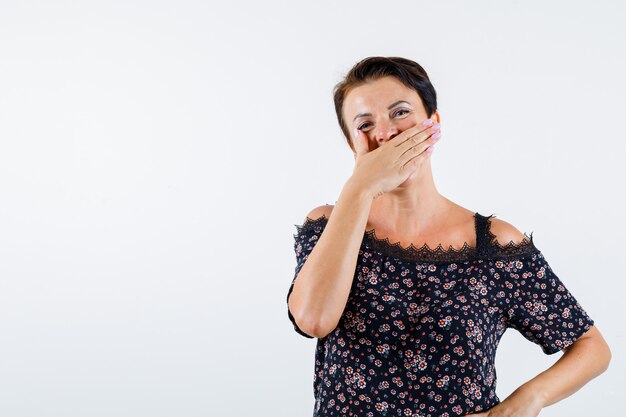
<point x="521" y="403"/>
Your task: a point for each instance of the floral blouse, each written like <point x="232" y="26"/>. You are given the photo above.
<point x="421" y="326"/>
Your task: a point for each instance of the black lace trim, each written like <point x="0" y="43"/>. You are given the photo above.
<point x="487" y="247"/>
<point x="494" y="249"/>
<point x="310" y="224"/>
<point x="423" y="253"/>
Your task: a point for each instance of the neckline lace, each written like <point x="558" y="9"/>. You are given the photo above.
<point x="487" y="246"/>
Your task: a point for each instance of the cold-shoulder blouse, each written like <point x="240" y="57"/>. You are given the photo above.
<point x="421" y="326"/>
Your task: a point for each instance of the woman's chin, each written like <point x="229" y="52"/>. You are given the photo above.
<point x="409" y="179"/>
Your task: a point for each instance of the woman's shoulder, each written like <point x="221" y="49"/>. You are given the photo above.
<point x="315" y="220"/>
<point x="318" y="213"/>
<point x="503" y="232"/>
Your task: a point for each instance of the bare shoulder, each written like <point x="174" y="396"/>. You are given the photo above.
<point x="505" y="232"/>
<point x="320" y="211"/>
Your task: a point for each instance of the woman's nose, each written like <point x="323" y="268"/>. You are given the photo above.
<point x="386" y="132"/>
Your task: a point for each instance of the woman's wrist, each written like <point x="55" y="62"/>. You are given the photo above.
<point x="355" y="187"/>
<point x="531" y="395"/>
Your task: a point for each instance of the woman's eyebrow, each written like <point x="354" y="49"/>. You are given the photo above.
<point x="391" y="106"/>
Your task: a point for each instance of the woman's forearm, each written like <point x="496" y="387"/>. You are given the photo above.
<point x="582" y="361"/>
<point x="322" y="287"/>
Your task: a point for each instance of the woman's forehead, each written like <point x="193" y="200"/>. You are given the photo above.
<point x="382" y="86"/>
<point x="379" y="95"/>
<point x="381" y="91"/>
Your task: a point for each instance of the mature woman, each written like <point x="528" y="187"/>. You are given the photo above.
<point x="409" y="293"/>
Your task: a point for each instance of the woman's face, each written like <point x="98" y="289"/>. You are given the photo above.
<point x="382" y="109"/>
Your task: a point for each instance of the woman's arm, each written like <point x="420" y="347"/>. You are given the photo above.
<point x="586" y="358"/>
<point x="583" y="360"/>
<point x="322" y="287"/>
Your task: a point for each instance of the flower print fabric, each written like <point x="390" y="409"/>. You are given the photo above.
<point x="419" y="333"/>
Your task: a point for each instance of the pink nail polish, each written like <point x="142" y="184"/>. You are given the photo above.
<point x="427" y="122"/>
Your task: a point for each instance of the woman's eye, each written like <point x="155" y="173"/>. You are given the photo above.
<point x="397" y="113"/>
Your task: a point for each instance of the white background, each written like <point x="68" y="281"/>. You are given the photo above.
<point x="155" y="156"/>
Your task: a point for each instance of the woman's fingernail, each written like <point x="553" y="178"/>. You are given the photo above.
<point x="427" y="122"/>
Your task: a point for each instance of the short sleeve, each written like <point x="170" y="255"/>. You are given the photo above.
<point x="539" y="305"/>
<point x="305" y="239"/>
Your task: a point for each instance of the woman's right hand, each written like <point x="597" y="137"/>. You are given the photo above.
<point x="388" y="166"/>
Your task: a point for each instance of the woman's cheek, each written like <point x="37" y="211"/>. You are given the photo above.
<point x="408" y="123"/>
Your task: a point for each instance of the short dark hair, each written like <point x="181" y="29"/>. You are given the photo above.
<point x="408" y="72"/>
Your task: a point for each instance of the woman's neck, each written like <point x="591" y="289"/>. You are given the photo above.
<point x="412" y="209"/>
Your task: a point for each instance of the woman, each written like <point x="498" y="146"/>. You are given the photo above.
<point x="408" y="292"/>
